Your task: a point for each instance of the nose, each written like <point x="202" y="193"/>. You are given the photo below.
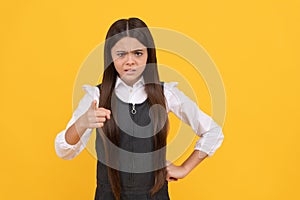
<point x="130" y="60"/>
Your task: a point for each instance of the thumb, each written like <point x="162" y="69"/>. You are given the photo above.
<point x="168" y="163"/>
<point x="94" y="105"/>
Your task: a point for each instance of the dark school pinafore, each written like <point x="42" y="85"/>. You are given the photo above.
<point x="134" y="186"/>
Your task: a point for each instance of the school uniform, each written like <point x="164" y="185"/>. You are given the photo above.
<point x="136" y="185"/>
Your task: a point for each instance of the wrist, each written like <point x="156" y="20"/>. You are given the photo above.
<point x="80" y="125"/>
<point x="185" y="169"/>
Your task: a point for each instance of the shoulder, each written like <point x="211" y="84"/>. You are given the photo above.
<point x="170" y="90"/>
<point x="92" y="90"/>
<point x="174" y="94"/>
<point x="169" y="86"/>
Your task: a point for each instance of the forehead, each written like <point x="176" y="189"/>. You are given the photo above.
<point x="127" y="44"/>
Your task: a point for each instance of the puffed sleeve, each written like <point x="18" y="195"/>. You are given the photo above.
<point x="65" y="150"/>
<point x="210" y="133"/>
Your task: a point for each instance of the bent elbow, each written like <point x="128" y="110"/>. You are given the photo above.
<point x="63" y="153"/>
<point x="62" y="149"/>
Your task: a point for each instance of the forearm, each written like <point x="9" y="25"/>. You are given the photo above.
<point x="193" y="160"/>
<point x="74" y="132"/>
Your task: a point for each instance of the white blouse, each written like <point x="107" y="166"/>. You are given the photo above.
<point x="210" y="133"/>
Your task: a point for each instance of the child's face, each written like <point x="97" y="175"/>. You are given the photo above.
<point x="130" y="58"/>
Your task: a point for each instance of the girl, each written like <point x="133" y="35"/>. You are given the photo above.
<point x="129" y="111"/>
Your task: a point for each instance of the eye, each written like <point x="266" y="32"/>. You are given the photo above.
<point x="121" y="54"/>
<point x="138" y="53"/>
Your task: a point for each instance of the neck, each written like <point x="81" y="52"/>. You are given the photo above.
<point x="130" y="82"/>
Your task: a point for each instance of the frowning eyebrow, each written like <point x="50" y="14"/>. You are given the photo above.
<point x="135" y="50"/>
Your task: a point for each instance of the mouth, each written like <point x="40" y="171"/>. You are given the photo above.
<point x="129" y="71"/>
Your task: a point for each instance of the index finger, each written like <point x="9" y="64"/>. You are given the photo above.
<point x="108" y="112"/>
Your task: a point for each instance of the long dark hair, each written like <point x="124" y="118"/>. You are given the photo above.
<point x="136" y="28"/>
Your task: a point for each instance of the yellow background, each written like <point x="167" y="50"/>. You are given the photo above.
<point x="255" y="45"/>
